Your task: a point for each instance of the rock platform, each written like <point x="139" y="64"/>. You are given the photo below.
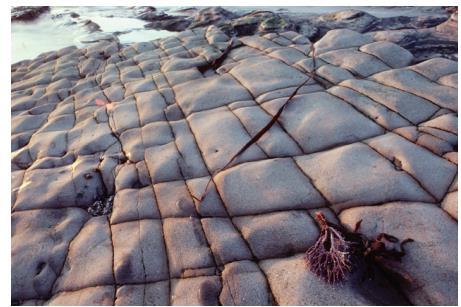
<point x="140" y="130"/>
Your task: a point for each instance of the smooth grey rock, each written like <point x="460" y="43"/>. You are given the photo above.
<point x="100" y="295"/>
<point x="434" y="173"/>
<point x="374" y="110"/>
<point x="340" y="39"/>
<point x="293" y="284"/>
<point x="203" y="290"/>
<point x="214" y="130"/>
<point x="359" y="63"/>
<point x="278" y="234"/>
<point x="162" y="162"/>
<point x="174" y="199"/>
<point x="86" y="263"/>
<point x="450" y="204"/>
<point x="355" y="175"/>
<point x="275" y="142"/>
<point x="319" y="121"/>
<point x="244" y="284"/>
<point x="39" y="244"/>
<point x="424" y="262"/>
<point x="411" y="107"/>
<point x="410" y="81"/>
<point x="133" y="204"/>
<point x="211" y="204"/>
<point x="390" y="53"/>
<point x="186" y="245"/>
<point x="436" y="68"/>
<point x="209" y="93"/>
<point x="262" y="74"/>
<point x="226" y="243"/>
<point x="266" y="186"/>
<point x="333" y="73"/>
<point x="154" y="294"/>
<point x="139" y="252"/>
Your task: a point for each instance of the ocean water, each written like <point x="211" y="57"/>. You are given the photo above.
<point x="56" y="29"/>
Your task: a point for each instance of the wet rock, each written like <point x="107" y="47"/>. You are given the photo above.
<point x="211" y="15"/>
<point x="97" y="37"/>
<point x="91" y="26"/>
<point x="167" y="22"/>
<point x="27" y="13"/>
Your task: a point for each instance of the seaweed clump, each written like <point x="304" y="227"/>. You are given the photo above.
<point x="330" y="257"/>
<point x="338" y="252"/>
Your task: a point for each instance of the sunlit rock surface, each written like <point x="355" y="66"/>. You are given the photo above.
<point x="374" y="136"/>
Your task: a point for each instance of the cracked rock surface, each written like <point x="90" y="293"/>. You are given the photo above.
<point x="134" y="133"/>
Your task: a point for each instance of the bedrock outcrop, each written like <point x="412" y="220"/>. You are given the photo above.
<point x="113" y="146"/>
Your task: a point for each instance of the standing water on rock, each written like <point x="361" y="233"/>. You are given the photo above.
<point x="66" y="26"/>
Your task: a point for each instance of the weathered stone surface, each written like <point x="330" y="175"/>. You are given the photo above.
<point x="203" y="290"/>
<point x="307" y="116"/>
<point x="262" y="74"/>
<point x="135" y="132"/>
<point x="278" y="234"/>
<point x="211" y="204"/>
<point x="355" y="175"/>
<point x="174" y="199"/>
<point x="436" y="68"/>
<point x="210" y="93"/>
<point x="139" y="252"/>
<point x="423" y="262"/>
<point x="220" y="135"/>
<point x="447" y="122"/>
<point x="333" y="73"/>
<point x="434" y="173"/>
<point x="266" y="186"/>
<point x="359" y="63"/>
<point x="340" y="39"/>
<point x="133" y="204"/>
<point x="450" y="204"/>
<point x="100" y="295"/>
<point x="293" y="284"/>
<point x="413" y="108"/>
<point x="225" y="241"/>
<point x="410" y="81"/>
<point x="40" y="240"/>
<point x="275" y="142"/>
<point x="186" y="245"/>
<point x="154" y="294"/>
<point x="390" y="53"/>
<point x="162" y="162"/>
<point x="244" y="284"/>
<point x="86" y="264"/>
<point x="374" y="110"/>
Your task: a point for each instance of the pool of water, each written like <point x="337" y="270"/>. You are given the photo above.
<point x="57" y="29"/>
